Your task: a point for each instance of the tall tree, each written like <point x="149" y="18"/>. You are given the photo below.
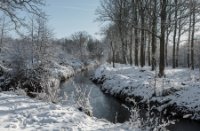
<point x="149" y="49"/>
<point x="142" y="45"/>
<point x="131" y="46"/>
<point x="169" y="30"/>
<point x="154" y="30"/>
<point x="163" y="16"/>
<point x="111" y="34"/>
<point x="4" y="29"/>
<point x="175" y="33"/>
<point x="193" y="31"/>
<point x="182" y="21"/>
<point x="80" y="38"/>
<point x="117" y="12"/>
<point x="135" y="17"/>
<point x="189" y="37"/>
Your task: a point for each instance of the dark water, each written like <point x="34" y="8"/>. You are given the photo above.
<point x="185" y="125"/>
<point x="103" y="105"/>
<point x="109" y="108"/>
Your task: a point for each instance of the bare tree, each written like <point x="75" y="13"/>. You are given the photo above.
<point x="142" y="8"/>
<point x="153" y="20"/>
<point x="31" y="55"/>
<point x="4" y="28"/>
<point x="163" y="16"/>
<point x="135" y="21"/>
<point x="169" y="31"/>
<point x="193" y="9"/>
<point x="11" y="9"/>
<point x="95" y="49"/>
<point x="154" y="30"/>
<point x="117" y="12"/>
<point x="81" y="38"/>
<point x="182" y="21"/>
<point x="111" y="34"/>
<point x="175" y="33"/>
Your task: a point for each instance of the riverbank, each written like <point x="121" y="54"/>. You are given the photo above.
<point x="178" y="94"/>
<point x="59" y="73"/>
<point x="55" y="72"/>
<point x="20" y="112"/>
<point x="63" y="71"/>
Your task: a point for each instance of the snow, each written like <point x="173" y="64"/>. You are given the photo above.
<point x="189" y="98"/>
<point x="180" y="86"/>
<point x="125" y="80"/>
<point x="19" y="113"/>
<point x="64" y="70"/>
<point x="61" y="72"/>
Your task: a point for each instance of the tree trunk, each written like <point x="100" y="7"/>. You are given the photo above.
<point x="142" y="57"/>
<point x="149" y="49"/>
<point x="189" y="40"/>
<point x="166" y="48"/>
<point x="32" y="41"/>
<point x="192" y="39"/>
<point x="167" y="38"/>
<point x="2" y="33"/>
<point x="162" y="38"/>
<point x="174" y="37"/>
<point x="154" y="41"/>
<point x="131" y="47"/>
<point x="178" y="43"/>
<point x="145" y="42"/>
<point x="136" y="48"/>
<point x="123" y="45"/>
<point x="136" y="34"/>
<point x="126" y="52"/>
<point x="81" y="51"/>
<point x="113" y="54"/>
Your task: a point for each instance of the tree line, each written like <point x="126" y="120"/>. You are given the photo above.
<point x="84" y="46"/>
<point x="140" y="30"/>
<point x="29" y="60"/>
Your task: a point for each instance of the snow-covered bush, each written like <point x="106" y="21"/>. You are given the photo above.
<point x="149" y="118"/>
<point x="50" y="90"/>
<point x="28" y="62"/>
<point x="81" y="99"/>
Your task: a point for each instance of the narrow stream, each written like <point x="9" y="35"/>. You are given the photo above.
<point x="103" y="105"/>
<point x="107" y="107"/>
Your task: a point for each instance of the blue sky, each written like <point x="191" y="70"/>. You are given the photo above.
<point x="69" y="16"/>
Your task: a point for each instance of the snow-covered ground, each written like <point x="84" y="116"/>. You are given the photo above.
<point x="180" y="87"/>
<point x="19" y="112"/>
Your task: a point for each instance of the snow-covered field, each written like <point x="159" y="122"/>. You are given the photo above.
<point x="180" y="87"/>
<point x="19" y="112"/>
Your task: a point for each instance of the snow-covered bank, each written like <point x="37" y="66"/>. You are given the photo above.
<point x="58" y="73"/>
<point x="63" y="71"/>
<point x="180" y="90"/>
<point x="22" y="113"/>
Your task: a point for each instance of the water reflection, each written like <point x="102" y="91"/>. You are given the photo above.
<point x="107" y="107"/>
<point x="103" y="105"/>
<point x="185" y="125"/>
